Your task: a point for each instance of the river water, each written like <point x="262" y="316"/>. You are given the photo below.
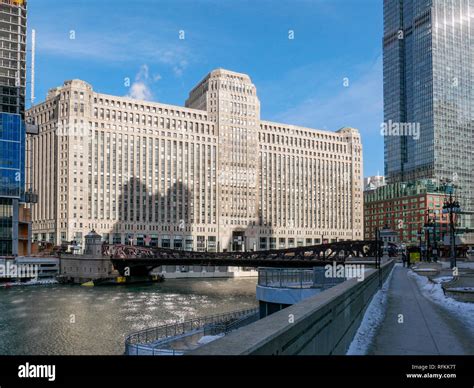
<point x="75" y="320"/>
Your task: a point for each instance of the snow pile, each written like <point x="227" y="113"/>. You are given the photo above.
<point x="373" y="318"/>
<point x="434" y="292"/>
<point x="442" y="279"/>
<point x="209" y="338"/>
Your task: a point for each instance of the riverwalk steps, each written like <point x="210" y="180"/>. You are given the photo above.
<point x="414" y="325"/>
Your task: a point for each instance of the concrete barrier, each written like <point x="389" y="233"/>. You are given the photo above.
<point x="324" y="324"/>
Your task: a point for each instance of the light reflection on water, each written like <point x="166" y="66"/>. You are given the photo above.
<point x="39" y="320"/>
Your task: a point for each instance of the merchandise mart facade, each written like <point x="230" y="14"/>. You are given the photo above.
<point x="208" y="176"/>
<point x="428" y="90"/>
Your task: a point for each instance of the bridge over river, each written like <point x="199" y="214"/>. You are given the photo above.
<point x="144" y="259"/>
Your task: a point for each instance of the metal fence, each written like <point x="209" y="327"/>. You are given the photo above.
<point x="135" y="343"/>
<point x="296" y="278"/>
<point x="232" y="324"/>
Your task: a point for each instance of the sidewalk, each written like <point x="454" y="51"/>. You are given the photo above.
<point x="427" y="329"/>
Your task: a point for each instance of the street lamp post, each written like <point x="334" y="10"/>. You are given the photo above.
<point x="378" y="258"/>
<point x="378" y="247"/>
<point x="428" y="227"/>
<point x="428" y="245"/>
<point x="435" y="241"/>
<point x="419" y="236"/>
<point x="451" y="207"/>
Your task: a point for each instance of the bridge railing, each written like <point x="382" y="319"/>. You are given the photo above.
<point x="134" y="342"/>
<point x="296" y="278"/>
<point x="337" y="250"/>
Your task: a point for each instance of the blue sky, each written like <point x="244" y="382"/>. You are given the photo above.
<point x="299" y="81"/>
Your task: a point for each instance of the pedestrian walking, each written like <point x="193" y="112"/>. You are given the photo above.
<point x="404" y="259"/>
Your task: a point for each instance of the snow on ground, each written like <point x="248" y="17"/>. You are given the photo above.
<point x="209" y="338"/>
<point x="373" y="318"/>
<point x="442" y="279"/>
<point x="434" y="292"/>
<point x="461" y="264"/>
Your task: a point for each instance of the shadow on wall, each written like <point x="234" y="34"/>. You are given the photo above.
<point x="263" y="236"/>
<point x="147" y="218"/>
<point x="255" y="236"/>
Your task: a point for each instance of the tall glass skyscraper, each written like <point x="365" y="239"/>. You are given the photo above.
<point x="13" y="220"/>
<point x="429" y="93"/>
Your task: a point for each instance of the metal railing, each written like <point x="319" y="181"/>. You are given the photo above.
<point x="229" y="326"/>
<point x="136" y="342"/>
<point x="296" y="278"/>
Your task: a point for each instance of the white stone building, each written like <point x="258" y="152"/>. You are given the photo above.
<point x="208" y="176"/>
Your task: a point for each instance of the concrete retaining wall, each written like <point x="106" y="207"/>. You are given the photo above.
<point x="321" y="325"/>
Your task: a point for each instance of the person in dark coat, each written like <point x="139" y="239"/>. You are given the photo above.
<point x="404" y="259"/>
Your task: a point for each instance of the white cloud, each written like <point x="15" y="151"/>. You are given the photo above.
<point x="116" y="47"/>
<point x="179" y="68"/>
<point x="354" y="106"/>
<point x="140" y="89"/>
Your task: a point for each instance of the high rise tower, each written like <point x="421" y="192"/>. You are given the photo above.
<point x="13" y="56"/>
<point x="15" y="229"/>
<point x="429" y="93"/>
